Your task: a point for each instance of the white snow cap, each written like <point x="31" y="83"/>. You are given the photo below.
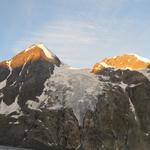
<point x="140" y="58"/>
<point x="132" y="54"/>
<point x="46" y="51"/>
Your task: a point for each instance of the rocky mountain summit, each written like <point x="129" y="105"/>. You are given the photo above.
<point x="47" y="105"/>
<point x="126" y="61"/>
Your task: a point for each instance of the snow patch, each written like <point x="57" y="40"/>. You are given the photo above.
<point x="73" y="68"/>
<point x="56" y="107"/>
<point x="32" y="104"/>
<point x="105" y="65"/>
<point x="8" y="109"/>
<point x="28" y="49"/>
<point x="48" y="53"/>
<point x="123" y="86"/>
<point x="17" y="116"/>
<point x="147" y="134"/>
<point x="132" y="108"/>
<point x="140" y="58"/>
<point x="4" y="82"/>
<point x="24" y="66"/>
<point x="134" y="85"/>
<point x="1" y="95"/>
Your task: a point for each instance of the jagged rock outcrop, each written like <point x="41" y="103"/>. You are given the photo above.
<point x="46" y="105"/>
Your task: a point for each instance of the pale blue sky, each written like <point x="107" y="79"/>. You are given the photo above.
<point x="79" y="32"/>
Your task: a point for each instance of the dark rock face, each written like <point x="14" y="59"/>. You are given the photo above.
<point x="129" y="110"/>
<point x="26" y="81"/>
<point x="45" y="107"/>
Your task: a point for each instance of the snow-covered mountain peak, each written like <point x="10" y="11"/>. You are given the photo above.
<point x="127" y="61"/>
<point x="33" y="53"/>
<point x="42" y="47"/>
<point x="139" y="57"/>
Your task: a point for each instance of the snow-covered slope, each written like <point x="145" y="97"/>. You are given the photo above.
<point x="74" y="88"/>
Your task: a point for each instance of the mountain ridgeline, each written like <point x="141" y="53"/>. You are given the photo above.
<point x="47" y="105"/>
